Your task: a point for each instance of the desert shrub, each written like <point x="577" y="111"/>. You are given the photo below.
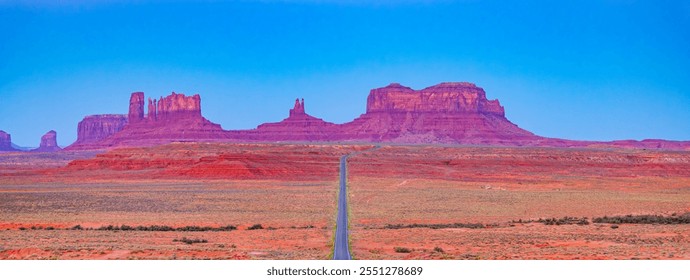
<point x="190" y="241"/>
<point x="126" y="227"/>
<point x="161" y="228"/>
<point x="22" y="228"/>
<point x="228" y="228"/>
<point x="50" y="228"/>
<point x="614" y="226"/>
<point x="434" y="226"/>
<point x="256" y="226"/>
<point x="564" y="221"/>
<point x="166" y="228"/>
<point x="645" y="219"/>
<point x="438" y="249"/>
<point x="194" y="228"/>
<point x="402" y="250"/>
<point x="77" y="227"/>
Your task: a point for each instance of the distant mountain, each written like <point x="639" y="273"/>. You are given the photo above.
<point x="447" y="113"/>
<point x="21" y="148"/>
<point x="6" y="142"/>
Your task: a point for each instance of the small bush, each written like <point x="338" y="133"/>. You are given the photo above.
<point x="167" y="228"/>
<point x="126" y="227"/>
<point x="614" y="226"/>
<point x="190" y="241"/>
<point x="228" y="228"/>
<point x="564" y="221"/>
<point x="402" y="250"/>
<point x="77" y="227"/>
<point x="50" y="228"/>
<point x="434" y="226"/>
<point x="438" y="249"/>
<point x="256" y="226"/>
<point x="645" y="219"/>
<point x="22" y="228"/>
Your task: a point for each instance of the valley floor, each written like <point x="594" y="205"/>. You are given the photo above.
<point x="205" y="201"/>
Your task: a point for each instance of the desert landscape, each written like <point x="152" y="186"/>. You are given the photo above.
<point x="437" y="173"/>
<point x="277" y="201"/>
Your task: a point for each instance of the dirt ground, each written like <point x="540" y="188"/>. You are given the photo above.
<point x="499" y="187"/>
<point x="291" y="191"/>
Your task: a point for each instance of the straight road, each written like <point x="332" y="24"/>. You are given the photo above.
<point x="341" y="248"/>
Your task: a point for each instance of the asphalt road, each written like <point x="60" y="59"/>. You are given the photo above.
<point x="341" y="250"/>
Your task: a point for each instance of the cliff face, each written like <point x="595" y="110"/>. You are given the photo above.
<point x="453" y="113"/>
<point x="136" y="108"/>
<point x="298" y="126"/>
<point x="176" y="106"/>
<point x="98" y="127"/>
<point x="48" y="143"/>
<point x="444" y="113"/>
<point x="442" y="98"/>
<point x="176" y="117"/>
<point x="6" y="142"/>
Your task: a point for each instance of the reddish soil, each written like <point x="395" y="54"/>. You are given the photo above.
<point x="494" y="186"/>
<point x="291" y="185"/>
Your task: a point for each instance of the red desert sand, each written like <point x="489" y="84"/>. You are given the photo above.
<point x="278" y="201"/>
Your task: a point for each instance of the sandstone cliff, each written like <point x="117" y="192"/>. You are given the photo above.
<point x="176" y="117"/>
<point x="444" y="113"/>
<point x="95" y="128"/>
<point x="136" y="108"/>
<point x="48" y="143"/>
<point x="442" y="98"/>
<point x="6" y="142"/>
<point x="452" y="113"/>
<point x="298" y="126"/>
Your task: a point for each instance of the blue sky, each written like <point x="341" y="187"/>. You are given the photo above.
<point x="594" y="70"/>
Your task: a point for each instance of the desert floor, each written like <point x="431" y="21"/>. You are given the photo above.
<point x="406" y="202"/>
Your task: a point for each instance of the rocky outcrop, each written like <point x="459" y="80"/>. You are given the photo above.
<point x="151" y="115"/>
<point x="298" y="126"/>
<point x="442" y="98"/>
<point x="176" y="106"/>
<point x="452" y="113"/>
<point x="298" y="110"/>
<point x="48" y="143"/>
<point x="95" y="128"/>
<point x="6" y="142"/>
<point x="176" y="117"/>
<point x="136" y="108"/>
<point x="444" y="113"/>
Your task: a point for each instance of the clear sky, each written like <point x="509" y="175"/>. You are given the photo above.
<point x="594" y="70"/>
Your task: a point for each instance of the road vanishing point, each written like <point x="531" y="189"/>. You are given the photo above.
<point x="341" y="248"/>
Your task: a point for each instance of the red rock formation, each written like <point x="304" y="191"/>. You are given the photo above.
<point x="136" y="107"/>
<point x="151" y="115"/>
<point x="95" y="128"/>
<point x="444" y="113"/>
<point x="298" y="126"/>
<point x="176" y="106"/>
<point x="443" y="98"/>
<point x="453" y="113"/>
<point x="298" y="110"/>
<point x="172" y="118"/>
<point x="6" y="142"/>
<point x="48" y="143"/>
